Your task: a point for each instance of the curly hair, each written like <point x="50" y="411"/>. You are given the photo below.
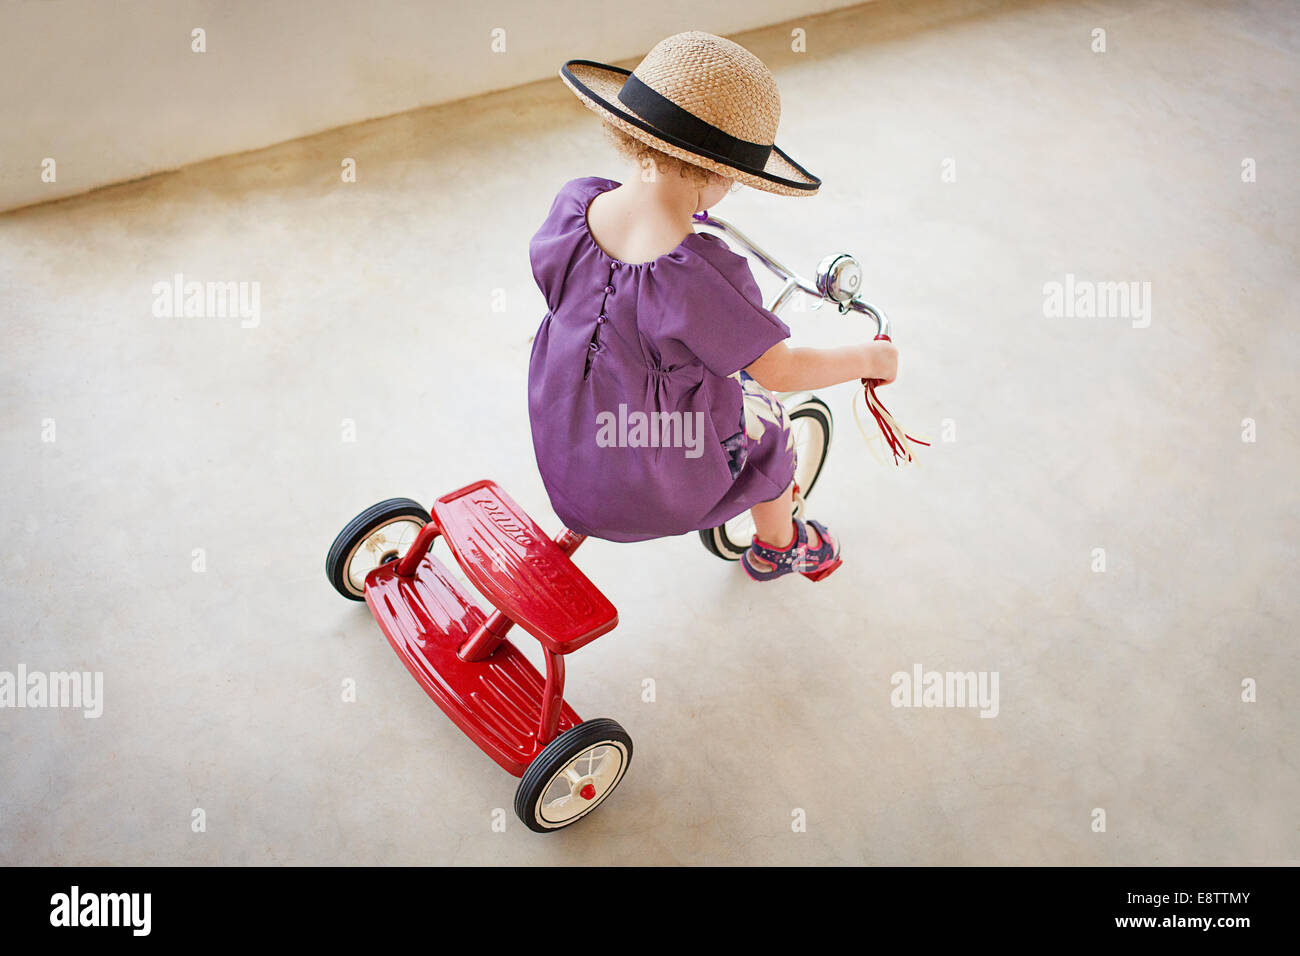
<point x="640" y="153"/>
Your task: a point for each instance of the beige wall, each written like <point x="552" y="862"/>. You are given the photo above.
<point x="111" y="90"/>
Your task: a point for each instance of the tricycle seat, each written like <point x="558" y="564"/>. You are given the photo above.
<point x="520" y="570"/>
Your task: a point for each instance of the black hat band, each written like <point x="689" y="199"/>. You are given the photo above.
<point x="663" y="113"/>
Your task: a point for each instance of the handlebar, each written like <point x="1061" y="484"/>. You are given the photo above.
<point x="792" y="280"/>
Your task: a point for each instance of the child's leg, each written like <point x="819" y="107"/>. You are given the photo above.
<point x="773" y="521"/>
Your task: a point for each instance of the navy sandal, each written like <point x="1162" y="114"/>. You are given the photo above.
<point x="763" y="562"/>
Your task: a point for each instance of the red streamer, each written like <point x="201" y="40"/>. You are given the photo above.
<point x="896" y="439"/>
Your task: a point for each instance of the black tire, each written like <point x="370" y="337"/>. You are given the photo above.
<point x="358" y="530"/>
<point x="557" y="755"/>
<point x="707" y="536"/>
<point x="815" y="411"/>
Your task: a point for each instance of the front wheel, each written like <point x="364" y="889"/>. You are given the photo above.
<point x="573" y="775"/>
<point x="811" y="422"/>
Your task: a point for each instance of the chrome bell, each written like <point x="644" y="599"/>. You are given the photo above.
<point x="839" y="277"/>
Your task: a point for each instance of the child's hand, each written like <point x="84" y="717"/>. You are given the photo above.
<point x="880" y="361"/>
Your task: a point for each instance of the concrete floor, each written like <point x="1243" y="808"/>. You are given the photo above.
<point x="1118" y="690"/>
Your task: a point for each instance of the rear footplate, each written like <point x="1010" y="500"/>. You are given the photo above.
<point x="497" y="702"/>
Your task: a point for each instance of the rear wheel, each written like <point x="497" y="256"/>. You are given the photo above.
<point x="381" y="533"/>
<point x="811" y="422"/>
<point x="573" y="775"/>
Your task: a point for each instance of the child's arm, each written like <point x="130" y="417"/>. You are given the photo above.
<point x="783" y="369"/>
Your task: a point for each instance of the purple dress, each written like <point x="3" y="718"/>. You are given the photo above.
<point x="643" y="423"/>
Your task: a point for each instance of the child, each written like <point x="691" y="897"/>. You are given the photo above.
<point x="651" y="379"/>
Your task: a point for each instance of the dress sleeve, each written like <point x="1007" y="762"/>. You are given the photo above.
<point x="716" y="309"/>
<point x="553" y="247"/>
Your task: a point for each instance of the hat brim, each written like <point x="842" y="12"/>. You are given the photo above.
<point x="597" y="85"/>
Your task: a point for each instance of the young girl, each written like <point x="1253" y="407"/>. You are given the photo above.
<point x="651" y="379"/>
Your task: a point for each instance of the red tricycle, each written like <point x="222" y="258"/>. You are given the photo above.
<point x="461" y="655"/>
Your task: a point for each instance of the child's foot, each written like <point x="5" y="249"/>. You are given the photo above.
<point x="813" y="553"/>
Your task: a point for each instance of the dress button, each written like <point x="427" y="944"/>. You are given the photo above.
<point x="608" y="289"/>
<point x="602" y="319"/>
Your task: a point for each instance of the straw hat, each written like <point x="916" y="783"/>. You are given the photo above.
<point x="702" y="99"/>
